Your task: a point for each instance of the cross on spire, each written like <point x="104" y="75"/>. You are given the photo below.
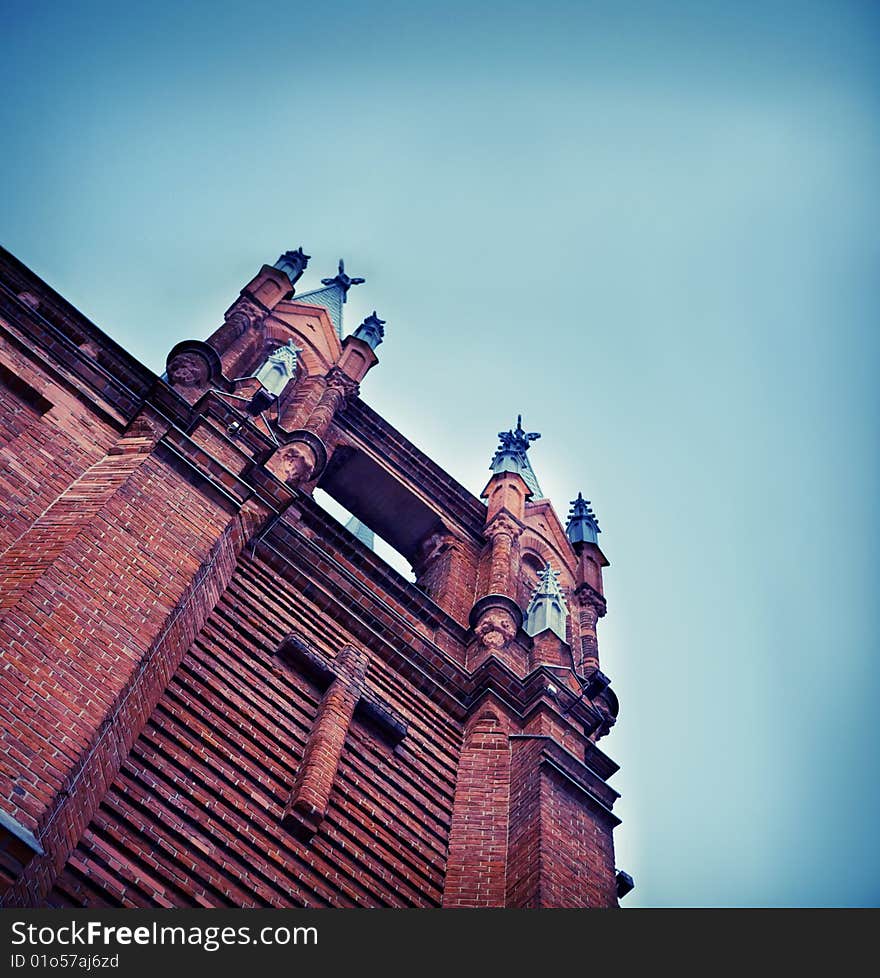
<point x="344" y="281"/>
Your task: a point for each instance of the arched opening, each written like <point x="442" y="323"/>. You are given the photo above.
<point x="531" y="566"/>
<point x="371" y="538"/>
<point x="377" y="497"/>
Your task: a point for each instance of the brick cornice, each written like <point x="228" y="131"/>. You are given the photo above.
<point x="68" y="365"/>
<point x="575" y="771"/>
<point x="58" y="320"/>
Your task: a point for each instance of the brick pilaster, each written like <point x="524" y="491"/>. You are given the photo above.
<point x="476" y="867"/>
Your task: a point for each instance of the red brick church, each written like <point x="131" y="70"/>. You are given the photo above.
<point x="216" y="694"/>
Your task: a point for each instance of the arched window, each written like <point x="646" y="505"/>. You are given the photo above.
<point x="531" y="566"/>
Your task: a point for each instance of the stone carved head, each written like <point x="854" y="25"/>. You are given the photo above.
<point x="188" y="370"/>
<point x="293" y="463"/>
<point x="496" y="629"/>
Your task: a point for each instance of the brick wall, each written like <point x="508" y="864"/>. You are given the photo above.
<point x="194" y="816"/>
<point x="577" y="855"/>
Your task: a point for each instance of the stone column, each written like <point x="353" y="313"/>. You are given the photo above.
<point x="496" y="617"/>
<point x="242" y="315"/>
<point x="504" y="534"/>
<point x="339" y="390"/>
<point x="239" y="340"/>
<point x="590" y="608"/>
<point x="303" y="399"/>
<point x="258" y="298"/>
<point x="304" y="456"/>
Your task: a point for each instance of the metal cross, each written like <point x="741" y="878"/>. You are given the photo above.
<point x="345" y="282"/>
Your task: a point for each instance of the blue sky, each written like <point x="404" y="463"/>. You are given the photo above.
<point x="653" y="229"/>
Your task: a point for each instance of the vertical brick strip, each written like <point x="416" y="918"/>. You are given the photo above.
<point x="137" y="700"/>
<point x="339" y="388"/>
<point x="477" y="863"/>
<point x="577" y="852"/>
<point x="25" y="561"/>
<point x="526" y="843"/>
<point x="561" y="850"/>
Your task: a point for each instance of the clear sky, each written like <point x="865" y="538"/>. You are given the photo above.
<point x="652" y="228"/>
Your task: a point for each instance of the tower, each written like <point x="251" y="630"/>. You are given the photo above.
<point x="217" y="694"/>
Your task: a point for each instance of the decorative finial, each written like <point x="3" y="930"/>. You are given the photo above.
<point x="293" y="264"/>
<point x="517" y="440"/>
<point x="345" y="282"/>
<point x="511" y="455"/>
<point x="371" y="330"/>
<point x="583" y="526"/>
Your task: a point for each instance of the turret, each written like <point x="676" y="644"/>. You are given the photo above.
<point x="371" y="330"/>
<point x="281" y="362"/>
<point x="497" y="616"/>
<point x="582" y="527"/>
<point x="583" y="531"/>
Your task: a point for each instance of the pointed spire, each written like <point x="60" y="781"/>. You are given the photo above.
<point x="362" y="532"/>
<point x="511" y="455"/>
<point x="582" y="526"/>
<point x="547" y="608"/>
<point x="293" y="264"/>
<point x="333" y="296"/>
<point x="371" y="330"/>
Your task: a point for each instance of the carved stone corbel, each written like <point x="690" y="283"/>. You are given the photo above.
<point x="192" y="365"/>
<point x="495" y="620"/>
<point x="300" y="460"/>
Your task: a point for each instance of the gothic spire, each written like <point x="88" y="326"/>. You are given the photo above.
<point x="362" y="532"/>
<point x="511" y="455"/>
<point x="278" y="368"/>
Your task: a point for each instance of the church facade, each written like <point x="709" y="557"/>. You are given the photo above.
<point x="215" y="694"/>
